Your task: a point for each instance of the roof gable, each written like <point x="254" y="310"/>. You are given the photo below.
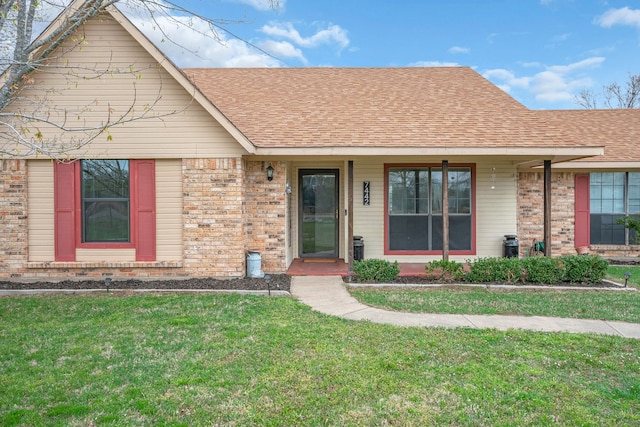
<point x="62" y="21"/>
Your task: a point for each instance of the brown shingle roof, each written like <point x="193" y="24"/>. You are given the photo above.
<point x="374" y="107"/>
<point x="617" y="130"/>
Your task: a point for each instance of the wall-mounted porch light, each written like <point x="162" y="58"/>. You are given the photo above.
<point x="270" y="172"/>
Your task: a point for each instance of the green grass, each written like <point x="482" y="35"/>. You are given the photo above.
<point x="616" y="273"/>
<point x="247" y="360"/>
<point x="592" y="304"/>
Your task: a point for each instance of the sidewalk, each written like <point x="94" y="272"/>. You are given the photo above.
<point x="328" y="295"/>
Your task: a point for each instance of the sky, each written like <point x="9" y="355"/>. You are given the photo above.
<point x="542" y="52"/>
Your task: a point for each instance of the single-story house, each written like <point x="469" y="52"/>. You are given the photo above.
<point x="204" y="165"/>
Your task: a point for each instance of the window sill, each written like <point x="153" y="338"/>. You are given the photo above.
<point x="105" y="264"/>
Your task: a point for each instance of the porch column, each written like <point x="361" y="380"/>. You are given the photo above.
<point x="350" y="215"/>
<point x="547" y="208"/>
<point x="445" y="210"/>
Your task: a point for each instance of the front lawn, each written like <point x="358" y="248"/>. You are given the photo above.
<point x="247" y="360"/>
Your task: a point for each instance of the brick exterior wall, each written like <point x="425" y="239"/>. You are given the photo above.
<point x="213" y="217"/>
<point x="266" y="214"/>
<point x="531" y="211"/>
<point x="13" y="211"/>
<point x="531" y="216"/>
<point x="229" y="207"/>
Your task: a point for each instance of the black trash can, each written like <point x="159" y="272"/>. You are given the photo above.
<point x="358" y="248"/>
<point x="510" y="245"/>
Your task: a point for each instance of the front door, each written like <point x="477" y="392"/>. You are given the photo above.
<point x="318" y="229"/>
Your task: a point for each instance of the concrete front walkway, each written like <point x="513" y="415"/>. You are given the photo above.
<point x="327" y="294"/>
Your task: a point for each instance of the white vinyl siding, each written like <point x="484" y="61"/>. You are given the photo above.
<point x="190" y="132"/>
<point x="169" y="210"/>
<point x="40" y="192"/>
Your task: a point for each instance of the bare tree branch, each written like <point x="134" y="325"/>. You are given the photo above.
<point x="34" y="123"/>
<point x="613" y="95"/>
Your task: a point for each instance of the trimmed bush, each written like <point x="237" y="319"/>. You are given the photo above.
<point x="584" y="268"/>
<point x="504" y="270"/>
<point x="445" y="270"/>
<point x="543" y="270"/>
<point x="375" y="270"/>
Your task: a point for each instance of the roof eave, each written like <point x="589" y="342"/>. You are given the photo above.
<point x="627" y="165"/>
<point x="556" y="154"/>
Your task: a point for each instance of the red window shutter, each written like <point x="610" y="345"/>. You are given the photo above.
<point x="582" y="211"/>
<point x="144" y="208"/>
<point x="64" y="195"/>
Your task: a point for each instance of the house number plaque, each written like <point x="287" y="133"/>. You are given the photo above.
<point x="366" y="193"/>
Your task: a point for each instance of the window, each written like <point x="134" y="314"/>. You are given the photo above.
<point x="612" y="196"/>
<point x="414" y="208"/>
<point x="105" y="201"/>
<point x="105" y="204"/>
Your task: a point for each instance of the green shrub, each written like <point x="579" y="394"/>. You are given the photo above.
<point x="584" y="268"/>
<point x="543" y="270"/>
<point x="445" y="270"/>
<point x="376" y="270"/>
<point x="506" y="270"/>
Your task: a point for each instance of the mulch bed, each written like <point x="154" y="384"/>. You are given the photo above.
<point x="280" y="282"/>
<point x="276" y="282"/>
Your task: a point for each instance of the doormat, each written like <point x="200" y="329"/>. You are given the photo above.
<point x="319" y="260"/>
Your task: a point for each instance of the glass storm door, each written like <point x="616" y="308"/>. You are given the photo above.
<point x="318" y="220"/>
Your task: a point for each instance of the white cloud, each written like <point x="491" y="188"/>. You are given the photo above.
<point x="332" y="34"/>
<point x="283" y="49"/>
<point x="197" y="49"/>
<point x="459" y="49"/>
<point x="622" y="16"/>
<point x="508" y="79"/>
<point x="585" y="63"/>
<point x="556" y="83"/>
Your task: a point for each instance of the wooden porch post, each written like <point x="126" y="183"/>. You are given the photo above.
<point x="547" y="208"/>
<point x="350" y="215"/>
<point x="445" y="210"/>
